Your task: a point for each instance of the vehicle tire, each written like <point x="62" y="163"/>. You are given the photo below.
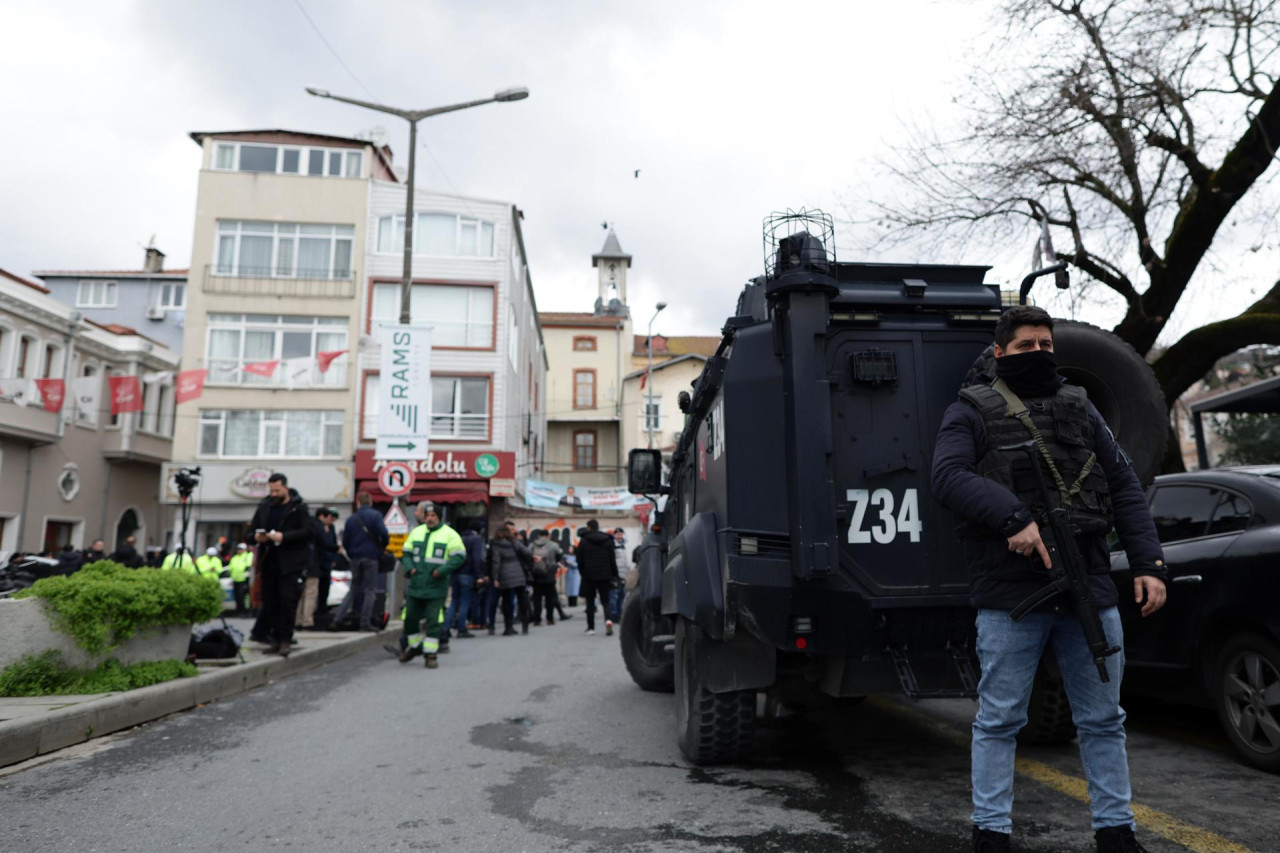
<point x="649" y="667"/>
<point x="1048" y="712"/>
<point x="711" y="728"/>
<point x="1246" y="692"/>
<point x="1119" y="383"/>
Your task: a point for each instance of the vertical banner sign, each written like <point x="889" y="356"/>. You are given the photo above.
<point x="404" y="392"/>
<point x="126" y="394"/>
<point x="190" y="385"/>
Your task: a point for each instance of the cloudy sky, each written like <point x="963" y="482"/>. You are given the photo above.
<point x="729" y="110"/>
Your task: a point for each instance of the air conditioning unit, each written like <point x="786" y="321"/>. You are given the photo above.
<point x="155" y="312"/>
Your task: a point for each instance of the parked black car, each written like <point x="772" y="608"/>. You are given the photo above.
<point x="1217" y="640"/>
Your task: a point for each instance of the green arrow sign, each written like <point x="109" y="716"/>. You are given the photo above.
<point x="408" y="445"/>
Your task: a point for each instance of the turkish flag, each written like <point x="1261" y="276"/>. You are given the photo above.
<point x="644" y="378"/>
<point x="53" y="392"/>
<point x="126" y="394"/>
<point x="324" y="359"/>
<point x="190" y="385"/>
<point x="261" y="368"/>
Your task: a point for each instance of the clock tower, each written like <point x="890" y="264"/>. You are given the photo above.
<point x="612" y="264"/>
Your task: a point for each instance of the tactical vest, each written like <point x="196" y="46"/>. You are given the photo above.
<point x="1063" y="421"/>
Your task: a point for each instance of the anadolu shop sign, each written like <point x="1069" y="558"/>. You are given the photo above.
<point x="445" y="465"/>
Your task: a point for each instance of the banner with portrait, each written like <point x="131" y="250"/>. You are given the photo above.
<point x="544" y="495"/>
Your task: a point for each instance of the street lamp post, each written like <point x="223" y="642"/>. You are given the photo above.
<point x="413" y="117"/>
<point x="648" y="407"/>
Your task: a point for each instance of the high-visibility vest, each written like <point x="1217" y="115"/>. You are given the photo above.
<point x="171" y="561"/>
<point x="241" y="563"/>
<point x="208" y="566"/>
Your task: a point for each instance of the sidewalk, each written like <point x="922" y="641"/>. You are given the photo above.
<point x="32" y="726"/>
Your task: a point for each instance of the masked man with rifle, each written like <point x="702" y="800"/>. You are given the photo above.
<point x="1037" y="480"/>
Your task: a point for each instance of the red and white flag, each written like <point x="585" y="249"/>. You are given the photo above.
<point x="126" y="394"/>
<point x="190" y="385"/>
<point x="324" y="359"/>
<point x="52" y="393"/>
<point x="644" y="377"/>
<point x="261" y="368"/>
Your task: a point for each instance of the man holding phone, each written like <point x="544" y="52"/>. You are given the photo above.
<point x="283" y="530"/>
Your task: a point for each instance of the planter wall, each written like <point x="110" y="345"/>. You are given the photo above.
<point x="25" y="630"/>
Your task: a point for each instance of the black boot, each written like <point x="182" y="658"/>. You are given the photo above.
<point x="1117" y="839"/>
<point x="989" y="841"/>
<point x="509" y="632"/>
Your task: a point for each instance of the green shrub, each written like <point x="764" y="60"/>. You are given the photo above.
<point x="46" y="674"/>
<point x="105" y="603"/>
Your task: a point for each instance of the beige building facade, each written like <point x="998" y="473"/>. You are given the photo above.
<point x="82" y="473"/>
<point x="276" y="270"/>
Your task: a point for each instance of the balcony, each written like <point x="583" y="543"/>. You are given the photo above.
<point x="460" y="427"/>
<point x="30" y="423"/>
<point x="136" y="446"/>
<point x="264" y="281"/>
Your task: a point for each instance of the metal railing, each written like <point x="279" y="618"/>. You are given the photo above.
<point x="261" y="281"/>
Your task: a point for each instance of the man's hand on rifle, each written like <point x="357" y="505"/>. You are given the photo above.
<point x="1154" y="591"/>
<point x="1027" y="541"/>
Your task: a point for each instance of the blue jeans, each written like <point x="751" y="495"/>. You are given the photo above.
<point x="459" y="604"/>
<point x="1009" y="653"/>
<point x="360" y="596"/>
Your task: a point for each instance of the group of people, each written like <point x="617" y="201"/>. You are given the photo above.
<point x="517" y="573"/>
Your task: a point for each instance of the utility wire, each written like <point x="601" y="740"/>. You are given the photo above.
<point x="346" y="67"/>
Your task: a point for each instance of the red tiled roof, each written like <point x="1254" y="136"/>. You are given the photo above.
<point x="20" y="280"/>
<point x="678" y="345"/>
<point x="577" y="318"/>
<point x="121" y="273"/>
<point x="117" y="329"/>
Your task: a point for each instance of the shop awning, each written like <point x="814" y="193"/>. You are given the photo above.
<point x="443" y="491"/>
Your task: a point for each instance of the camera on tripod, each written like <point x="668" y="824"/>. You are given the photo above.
<point x="186" y="479"/>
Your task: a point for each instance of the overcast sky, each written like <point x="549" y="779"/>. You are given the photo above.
<point x="729" y="110"/>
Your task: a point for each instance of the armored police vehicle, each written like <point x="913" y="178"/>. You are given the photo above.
<point x="799" y="550"/>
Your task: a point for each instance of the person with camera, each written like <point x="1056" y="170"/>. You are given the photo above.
<point x="364" y="538"/>
<point x="284" y="530"/>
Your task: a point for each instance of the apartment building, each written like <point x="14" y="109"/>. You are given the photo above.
<point x="152" y="299"/>
<point x="653" y="416"/>
<point x="273" y="313"/>
<point x="471" y="284"/>
<point x="72" y="470"/>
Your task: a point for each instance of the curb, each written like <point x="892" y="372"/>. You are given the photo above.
<point x="28" y="737"/>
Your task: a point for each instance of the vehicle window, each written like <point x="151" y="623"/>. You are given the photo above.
<point x="1183" y="512"/>
<point x="1233" y="513"/>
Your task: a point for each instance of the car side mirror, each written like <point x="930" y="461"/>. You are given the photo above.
<point x="644" y="472"/>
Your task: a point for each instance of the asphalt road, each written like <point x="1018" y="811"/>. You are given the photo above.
<point x="542" y="743"/>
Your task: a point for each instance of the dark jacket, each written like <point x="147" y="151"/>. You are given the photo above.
<point x="324" y="551"/>
<point x="126" y="555"/>
<point x="91" y="556"/>
<point x="510" y="563"/>
<point x="1000" y="579"/>
<point x="358" y="544"/>
<point x="475" y="564"/>
<point x="69" y="562"/>
<point x="596" y="560"/>
<point x="293" y="554"/>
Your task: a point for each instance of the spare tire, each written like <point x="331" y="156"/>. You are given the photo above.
<point x="1119" y="383"/>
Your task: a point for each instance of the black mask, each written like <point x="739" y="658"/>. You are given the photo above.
<point x="280" y="499"/>
<point x="1030" y="374"/>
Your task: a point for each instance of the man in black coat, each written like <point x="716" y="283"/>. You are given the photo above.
<point x="127" y="554"/>
<point x="994" y="493"/>
<point x="599" y="569"/>
<point x="283" y="528"/>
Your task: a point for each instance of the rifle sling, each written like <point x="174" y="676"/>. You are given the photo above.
<point x="1018" y="409"/>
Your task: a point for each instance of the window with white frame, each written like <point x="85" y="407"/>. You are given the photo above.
<point x="6" y="345"/>
<point x="235" y="340"/>
<point x="252" y="434"/>
<point x="438" y="234"/>
<point x="173" y="296"/>
<point x="652" y="412"/>
<point x="24" y="354"/>
<point x="164" y="424"/>
<point x="271" y="159"/>
<point x="284" y="250"/>
<point x="96" y="294"/>
<point x="460" y="315"/>
<point x="51" y="361"/>
<point x="459" y="407"/>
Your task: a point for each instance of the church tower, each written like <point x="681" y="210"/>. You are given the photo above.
<point x="612" y="264"/>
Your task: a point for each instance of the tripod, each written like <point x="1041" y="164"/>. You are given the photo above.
<point x="184" y="499"/>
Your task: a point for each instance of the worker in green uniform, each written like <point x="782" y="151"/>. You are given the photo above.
<point x="239" y="565"/>
<point x="432" y="552"/>
<point x="171" y="562"/>
<point x="209" y="565"/>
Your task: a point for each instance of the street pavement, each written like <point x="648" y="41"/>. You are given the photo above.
<point x="542" y="743"/>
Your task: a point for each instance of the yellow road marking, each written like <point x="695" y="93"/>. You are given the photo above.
<point x="1178" y="831"/>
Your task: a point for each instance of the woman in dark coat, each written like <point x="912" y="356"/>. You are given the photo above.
<point x="510" y="572"/>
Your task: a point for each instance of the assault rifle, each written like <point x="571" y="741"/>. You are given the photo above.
<point x="1068" y="574"/>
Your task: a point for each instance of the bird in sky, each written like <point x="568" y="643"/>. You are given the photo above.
<point x="637" y="173"/>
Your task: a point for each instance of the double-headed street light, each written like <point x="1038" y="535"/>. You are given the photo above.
<point x="518" y="93"/>
<point x="648" y="408"/>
